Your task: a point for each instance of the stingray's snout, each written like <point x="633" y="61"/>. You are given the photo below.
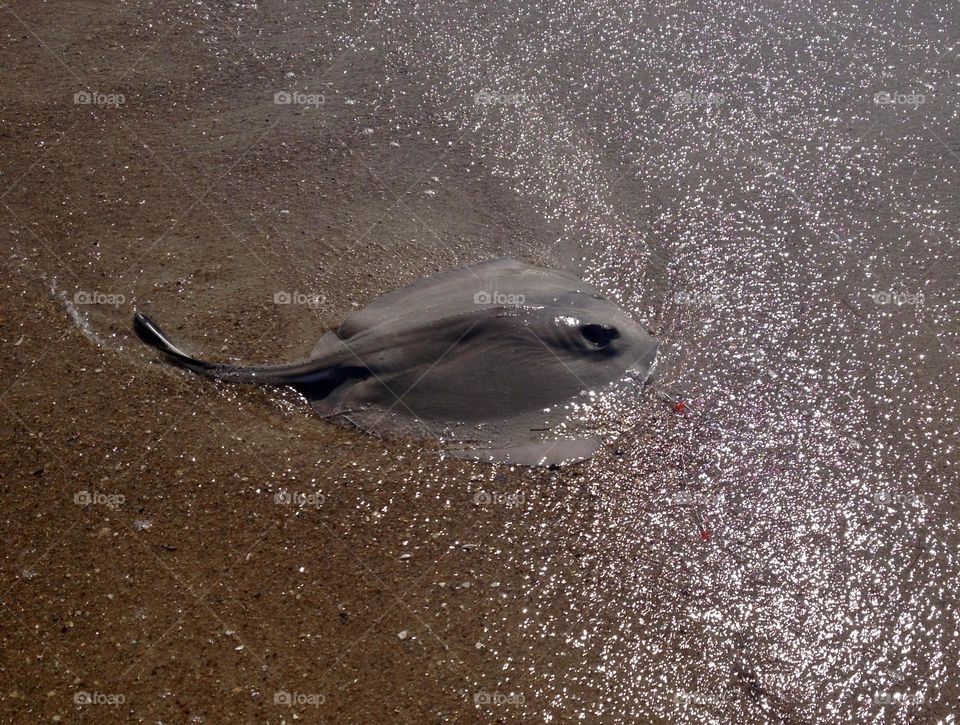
<point x="599" y="335"/>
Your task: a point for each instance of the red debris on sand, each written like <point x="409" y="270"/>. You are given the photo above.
<point x="705" y="534"/>
<point x="680" y="407"/>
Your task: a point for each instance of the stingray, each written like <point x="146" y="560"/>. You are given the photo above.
<point x="494" y="360"/>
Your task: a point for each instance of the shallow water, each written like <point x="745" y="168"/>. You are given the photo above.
<point x="770" y="189"/>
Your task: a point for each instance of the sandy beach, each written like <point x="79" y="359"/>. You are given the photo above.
<point x="770" y="189"/>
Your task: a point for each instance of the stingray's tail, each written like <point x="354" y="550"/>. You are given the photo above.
<point x="314" y="378"/>
<point x="148" y="331"/>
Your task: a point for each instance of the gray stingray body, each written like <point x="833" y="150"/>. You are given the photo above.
<point x="486" y="358"/>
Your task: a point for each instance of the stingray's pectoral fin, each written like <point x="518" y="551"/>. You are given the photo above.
<point x="149" y="332"/>
<point x="560" y="452"/>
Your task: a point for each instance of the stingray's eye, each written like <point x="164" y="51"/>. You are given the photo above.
<point x="599" y="335"/>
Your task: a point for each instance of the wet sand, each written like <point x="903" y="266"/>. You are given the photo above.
<point x="183" y="550"/>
